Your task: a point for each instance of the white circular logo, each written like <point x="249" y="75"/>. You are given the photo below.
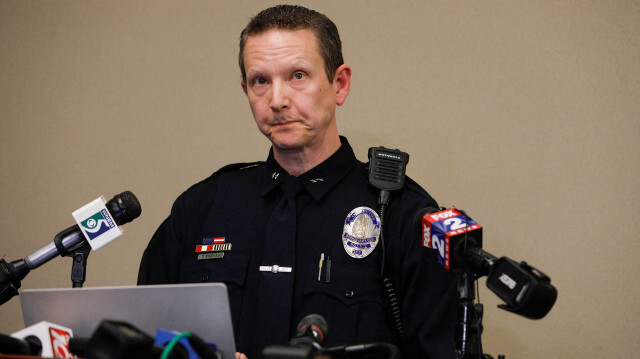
<point x="91" y="223"/>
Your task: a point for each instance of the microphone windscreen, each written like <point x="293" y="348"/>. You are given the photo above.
<point x="11" y="345"/>
<point x="315" y="321"/>
<point x="124" y="207"/>
<point x="417" y="220"/>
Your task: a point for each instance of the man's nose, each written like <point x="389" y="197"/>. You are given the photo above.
<point x="279" y="96"/>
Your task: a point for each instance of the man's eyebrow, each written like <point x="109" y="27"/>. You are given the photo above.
<point x="295" y="65"/>
<point x="255" y="73"/>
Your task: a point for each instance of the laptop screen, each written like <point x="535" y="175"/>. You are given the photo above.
<point x="201" y="309"/>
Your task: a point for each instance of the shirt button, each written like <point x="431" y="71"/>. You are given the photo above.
<point x="349" y="294"/>
<point x="205" y="277"/>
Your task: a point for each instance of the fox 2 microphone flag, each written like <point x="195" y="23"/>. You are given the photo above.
<point x="444" y="230"/>
<point x="96" y="223"/>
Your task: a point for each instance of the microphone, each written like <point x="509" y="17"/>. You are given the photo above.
<point x="44" y="339"/>
<point x="98" y="223"/>
<point x="118" y="339"/>
<point x="457" y="240"/>
<point x="455" y="237"/>
<point x="121" y="209"/>
<point x="115" y="339"/>
<point x="310" y="334"/>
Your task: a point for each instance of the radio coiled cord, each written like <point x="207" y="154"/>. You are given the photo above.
<point x="393" y="301"/>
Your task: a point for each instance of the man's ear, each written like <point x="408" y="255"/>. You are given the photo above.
<point x="244" y="86"/>
<point x="342" y="81"/>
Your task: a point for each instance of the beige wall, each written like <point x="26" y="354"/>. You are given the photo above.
<point x="526" y="114"/>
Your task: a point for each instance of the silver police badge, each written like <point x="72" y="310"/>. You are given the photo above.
<point x="361" y="232"/>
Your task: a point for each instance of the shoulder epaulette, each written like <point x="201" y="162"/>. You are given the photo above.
<point x="237" y="167"/>
<point x="226" y="169"/>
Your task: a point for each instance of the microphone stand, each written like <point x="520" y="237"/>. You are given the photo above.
<point x="78" y="254"/>
<point x="79" y="265"/>
<point x="469" y="326"/>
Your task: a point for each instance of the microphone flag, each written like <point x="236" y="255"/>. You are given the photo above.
<point x="440" y="228"/>
<point x="96" y="223"/>
<point x="54" y="339"/>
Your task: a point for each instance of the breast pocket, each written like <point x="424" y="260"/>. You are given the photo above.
<point x="230" y="269"/>
<point x="351" y="303"/>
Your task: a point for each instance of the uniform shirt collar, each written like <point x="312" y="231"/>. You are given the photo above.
<point x="318" y="180"/>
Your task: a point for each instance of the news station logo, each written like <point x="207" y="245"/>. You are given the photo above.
<point x="439" y="229"/>
<point x="60" y="343"/>
<point x="97" y="224"/>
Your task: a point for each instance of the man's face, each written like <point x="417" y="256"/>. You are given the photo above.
<point x="292" y="100"/>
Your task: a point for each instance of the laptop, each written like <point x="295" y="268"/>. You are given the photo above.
<point x="201" y="309"/>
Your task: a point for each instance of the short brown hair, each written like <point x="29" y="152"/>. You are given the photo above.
<point x="294" y="17"/>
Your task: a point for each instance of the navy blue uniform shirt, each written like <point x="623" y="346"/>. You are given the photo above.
<point x="235" y="203"/>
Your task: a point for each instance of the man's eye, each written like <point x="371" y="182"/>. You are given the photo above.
<point x="260" y="81"/>
<point x="298" y="76"/>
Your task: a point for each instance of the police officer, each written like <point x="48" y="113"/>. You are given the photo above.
<point x="299" y="234"/>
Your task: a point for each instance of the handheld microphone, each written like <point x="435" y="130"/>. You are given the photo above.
<point x="97" y="225"/>
<point x="46" y="340"/>
<point x="457" y="240"/>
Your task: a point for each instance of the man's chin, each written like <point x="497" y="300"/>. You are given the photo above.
<point x="286" y="146"/>
<point x="286" y="143"/>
